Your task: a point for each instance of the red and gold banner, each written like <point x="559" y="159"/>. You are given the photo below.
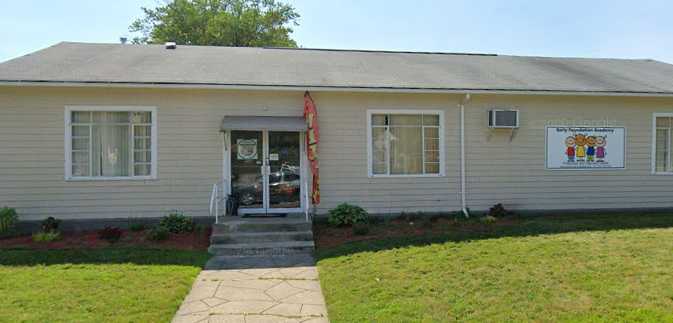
<point x="312" y="139"/>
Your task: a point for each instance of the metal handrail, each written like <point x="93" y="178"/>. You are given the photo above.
<point x="215" y="203"/>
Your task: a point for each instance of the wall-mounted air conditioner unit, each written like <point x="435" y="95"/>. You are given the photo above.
<point x="501" y="118"/>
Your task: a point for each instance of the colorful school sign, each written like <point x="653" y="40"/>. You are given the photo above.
<point x="585" y="147"/>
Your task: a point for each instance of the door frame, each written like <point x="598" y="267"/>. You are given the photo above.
<point x="266" y="209"/>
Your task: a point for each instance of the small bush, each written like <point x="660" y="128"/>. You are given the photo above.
<point x="345" y="214"/>
<point x="50" y="224"/>
<point x="360" y="229"/>
<point x="8" y="219"/>
<point x="489" y="219"/>
<point x="411" y="216"/>
<point x="158" y="233"/>
<point x="137" y="227"/>
<point x="176" y="222"/>
<point x="47" y="236"/>
<point x="498" y="211"/>
<point x="110" y="234"/>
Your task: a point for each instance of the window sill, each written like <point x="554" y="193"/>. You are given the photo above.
<point x="407" y="176"/>
<point x="663" y="173"/>
<point x="106" y="179"/>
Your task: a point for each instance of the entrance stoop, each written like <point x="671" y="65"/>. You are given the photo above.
<point x="262" y="236"/>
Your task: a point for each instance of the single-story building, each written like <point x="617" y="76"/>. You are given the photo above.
<point x="103" y="131"/>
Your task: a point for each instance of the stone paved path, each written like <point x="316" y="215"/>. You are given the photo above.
<point x="256" y="289"/>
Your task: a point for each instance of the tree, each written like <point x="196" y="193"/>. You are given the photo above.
<point x="239" y="23"/>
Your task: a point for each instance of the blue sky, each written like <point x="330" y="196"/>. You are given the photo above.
<point x="623" y="29"/>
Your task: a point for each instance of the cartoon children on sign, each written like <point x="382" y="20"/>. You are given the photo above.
<point x="581" y="148"/>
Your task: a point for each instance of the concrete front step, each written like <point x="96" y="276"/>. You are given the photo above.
<point x="262" y="248"/>
<point x="250" y="237"/>
<point x="288" y="225"/>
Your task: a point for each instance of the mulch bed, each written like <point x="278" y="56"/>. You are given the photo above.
<point x="197" y="240"/>
<point x="327" y="236"/>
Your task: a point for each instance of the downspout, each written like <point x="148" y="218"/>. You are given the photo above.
<point x="463" y="191"/>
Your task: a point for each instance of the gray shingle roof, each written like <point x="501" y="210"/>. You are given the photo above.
<point x="304" y="68"/>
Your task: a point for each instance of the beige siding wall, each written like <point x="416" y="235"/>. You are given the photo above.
<point x="502" y="166"/>
<point x="509" y="167"/>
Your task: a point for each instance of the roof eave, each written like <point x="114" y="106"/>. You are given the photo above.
<point x="315" y="88"/>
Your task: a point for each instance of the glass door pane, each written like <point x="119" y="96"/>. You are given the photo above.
<point x="284" y="176"/>
<point x="247" y="160"/>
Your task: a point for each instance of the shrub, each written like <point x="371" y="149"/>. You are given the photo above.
<point x="110" y="234"/>
<point x="46" y="236"/>
<point x="137" y="227"/>
<point x="411" y="216"/>
<point x="346" y="214"/>
<point x="498" y="211"/>
<point x="176" y="222"/>
<point x="158" y="233"/>
<point x="8" y="219"/>
<point x="488" y="219"/>
<point x="360" y="229"/>
<point x="50" y="224"/>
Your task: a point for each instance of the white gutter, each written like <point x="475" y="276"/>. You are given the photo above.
<point x="302" y="88"/>
<point x="463" y="191"/>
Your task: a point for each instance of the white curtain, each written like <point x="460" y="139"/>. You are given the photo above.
<point x="406" y="150"/>
<point x="110" y="144"/>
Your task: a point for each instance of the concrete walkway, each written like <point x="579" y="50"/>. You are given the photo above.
<point x="256" y="289"/>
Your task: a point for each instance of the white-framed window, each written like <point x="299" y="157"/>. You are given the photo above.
<point x="662" y="142"/>
<point x="110" y="143"/>
<point x="405" y="142"/>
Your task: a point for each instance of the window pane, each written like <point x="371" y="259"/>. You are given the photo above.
<point x="379" y="151"/>
<point x="110" y="117"/>
<point x="80" y="170"/>
<point x="110" y="149"/>
<point x="141" y="170"/>
<point x="664" y="122"/>
<point x="142" y="143"/>
<point x="141" y="117"/>
<point x="661" y="158"/>
<point x="379" y="119"/>
<point x="430" y="120"/>
<point x="81" y="117"/>
<point x="142" y="156"/>
<point x="80" y="131"/>
<point x="431" y="133"/>
<point x="405" y="120"/>
<point x="431" y="144"/>
<point x="406" y="150"/>
<point x="80" y="157"/>
<point x="432" y="156"/>
<point x="80" y="144"/>
<point x="142" y="131"/>
<point x="432" y="168"/>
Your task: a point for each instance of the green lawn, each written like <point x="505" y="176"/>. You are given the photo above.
<point x="103" y="285"/>
<point x="602" y="268"/>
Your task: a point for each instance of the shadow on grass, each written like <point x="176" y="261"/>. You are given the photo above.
<point x="29" y="257"/>
<point x="517" y="226"/>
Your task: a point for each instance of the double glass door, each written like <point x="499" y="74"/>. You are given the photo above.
<point x="266" y="171"/>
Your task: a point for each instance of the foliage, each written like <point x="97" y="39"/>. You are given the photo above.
<point x="177" y="222"/>
<point x="488" y="219"/>
<point x="498" y="211"/>
<point x="345" y="214"/>
<point x="50" y="224"/>
<point x="8" y="220"/>
<point x="137" y="227"/>
<point x="158" y="233"/>
<point x="95" y="285"/>
<point x="110" y="234"/>
<point x="360" y="229"/>
<point x="411" y="216"/>
<point x="521" y="270"/>
<point x="46" y="236"/>
<point x="238" y="23"/>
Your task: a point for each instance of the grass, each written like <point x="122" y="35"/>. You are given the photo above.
<point x="604" y="268"/>
<point x="102" y="285"/>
